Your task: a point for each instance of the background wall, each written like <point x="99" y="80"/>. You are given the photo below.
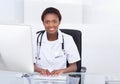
<point x="71" y="11"/>
<point x="11" y="11"/>
<point x="101" y="44"/>
<point x="101" y="12"/>
<point x="99" y="21"/>
<point x="101" y="48"/>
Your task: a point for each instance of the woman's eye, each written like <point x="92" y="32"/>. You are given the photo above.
<point x="55" y="21"/>
<point x="46" y="22"/>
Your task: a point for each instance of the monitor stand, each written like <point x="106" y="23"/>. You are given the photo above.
<point x="26" y="76"/>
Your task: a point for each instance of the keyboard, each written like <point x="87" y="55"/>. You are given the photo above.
<point x="41" y="77"/>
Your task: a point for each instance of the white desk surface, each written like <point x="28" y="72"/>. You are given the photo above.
<point x="7" y="77"/>
<point x="10" y="78"/>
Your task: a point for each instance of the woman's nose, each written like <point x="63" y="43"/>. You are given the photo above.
<point x="51" y="24"/>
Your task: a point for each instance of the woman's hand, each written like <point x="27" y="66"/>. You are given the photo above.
<point x="44" y="72"/>
<point x="71" y="68"/>
<point x="41" y="71"/>
<point x="57" y="72"/>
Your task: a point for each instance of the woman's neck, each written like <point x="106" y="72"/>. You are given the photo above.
<point x="52" y="37"/>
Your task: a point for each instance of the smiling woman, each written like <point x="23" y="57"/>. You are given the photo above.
<point x="51" y="18"/>
<point x="54" y="50"/>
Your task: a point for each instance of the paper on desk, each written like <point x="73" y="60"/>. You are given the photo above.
<point x="73" y="80"/>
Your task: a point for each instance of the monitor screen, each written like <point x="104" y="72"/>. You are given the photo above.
<point x="16" y="52"/>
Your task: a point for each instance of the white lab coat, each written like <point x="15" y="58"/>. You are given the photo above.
<point x="51" y="54"/>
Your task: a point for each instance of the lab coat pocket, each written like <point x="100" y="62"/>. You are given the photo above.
<point x="59" y="57"/>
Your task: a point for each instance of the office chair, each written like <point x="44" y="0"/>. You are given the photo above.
<point x="77" y="37"/>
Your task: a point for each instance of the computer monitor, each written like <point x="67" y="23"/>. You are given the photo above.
<point x="16" y="52"/>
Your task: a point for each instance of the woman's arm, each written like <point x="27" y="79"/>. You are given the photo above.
<point x="71" y="68"/>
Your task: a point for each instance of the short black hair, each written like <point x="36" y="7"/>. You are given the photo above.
<point x="51" y="10"/>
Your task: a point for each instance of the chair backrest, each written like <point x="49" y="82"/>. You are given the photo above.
<point x="77" y="37"/>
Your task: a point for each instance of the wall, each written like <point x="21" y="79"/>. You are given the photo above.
<point x="11" y="12"/>
<point x="101" y="48"/>
<point x="101" y="12"/>
<point x="99" y="21"/>
<point x="101" y="45"/>
<point x="71" y="11"/>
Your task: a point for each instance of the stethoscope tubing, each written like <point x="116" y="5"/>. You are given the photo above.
<point x="39" y="42"/>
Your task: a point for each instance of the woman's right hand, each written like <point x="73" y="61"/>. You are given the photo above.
<point x="41" y="71"/>
<point x="44" y="72"/>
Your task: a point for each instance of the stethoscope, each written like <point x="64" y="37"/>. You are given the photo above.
<point x="39" y="42"/>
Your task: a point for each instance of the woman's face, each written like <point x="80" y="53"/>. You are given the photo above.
<point x="51" y="23"/>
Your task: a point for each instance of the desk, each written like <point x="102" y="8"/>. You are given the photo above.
<point x="7" y="77"/>
<point x="10" y="78"/>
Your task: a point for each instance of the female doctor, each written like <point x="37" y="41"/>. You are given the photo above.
<point x="52" y="58"/>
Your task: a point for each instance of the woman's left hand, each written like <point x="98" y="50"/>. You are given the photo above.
<point x="57" y="72"/>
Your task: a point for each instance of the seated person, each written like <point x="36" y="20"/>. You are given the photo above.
<point x="57" y="48"/>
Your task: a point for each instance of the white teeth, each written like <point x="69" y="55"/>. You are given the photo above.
<point x="51" y="29"/>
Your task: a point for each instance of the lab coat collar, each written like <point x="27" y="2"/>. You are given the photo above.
<point x="44" y="38"/>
